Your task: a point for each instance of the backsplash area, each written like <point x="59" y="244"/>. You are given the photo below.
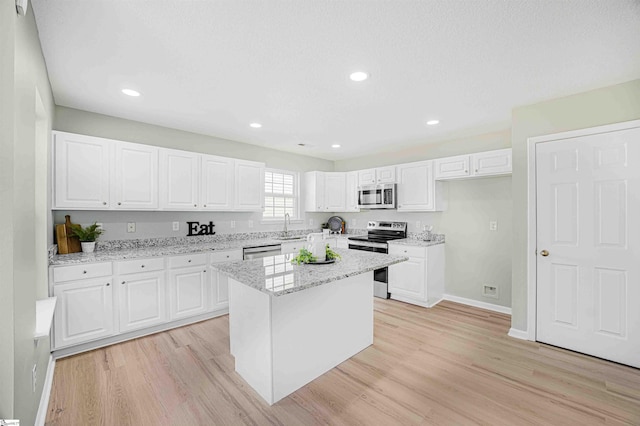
<point x="160" y="224"/>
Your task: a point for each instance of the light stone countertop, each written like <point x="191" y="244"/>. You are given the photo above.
<point x="116" y="254"/>
<point x="277" y="276"/>
<point x="415" y="243"/>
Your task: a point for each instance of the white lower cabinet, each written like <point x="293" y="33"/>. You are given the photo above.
<point x="187" y="292"/>
<point x="219" y="282"/>
<point x="420" y="280"/>
<point x="84" y="312"/>
<point x="142" y="300"/>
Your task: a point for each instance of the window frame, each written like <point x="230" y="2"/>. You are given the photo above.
<point x="297" y="210"/>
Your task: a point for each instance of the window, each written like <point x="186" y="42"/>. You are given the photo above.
<point x="280" y="194"/>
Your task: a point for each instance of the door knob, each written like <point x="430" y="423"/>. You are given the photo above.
<point x="544" y="253"/>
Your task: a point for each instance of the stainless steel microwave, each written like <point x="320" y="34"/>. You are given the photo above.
<point x="377" y="196"/>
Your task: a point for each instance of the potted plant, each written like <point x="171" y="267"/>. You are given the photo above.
<point x="87" y="236"/>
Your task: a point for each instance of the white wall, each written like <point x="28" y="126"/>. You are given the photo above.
<point x="159" y="224"/>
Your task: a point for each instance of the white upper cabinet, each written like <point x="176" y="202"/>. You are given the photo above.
<point x="216" y="183"/>
<point x="492" y="163"/>
<point x="351" y="195"/>
<point x="179" y="176"/>
<point x="335" y="191"/>
<point x="81" y="172"/>
<point x="375" y="176"/>
<point x="417" y="190"/>
<point x="326" y="191"/>
<point x="249" y="185"/>
<point x="135" y="177"/>
<point x="452" y="167"/>
<point x="482" y="164"/>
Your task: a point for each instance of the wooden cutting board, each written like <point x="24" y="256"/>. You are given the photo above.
<point x="66" y="242"/>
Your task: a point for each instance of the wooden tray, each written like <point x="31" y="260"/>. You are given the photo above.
<point x="66" y="242"/>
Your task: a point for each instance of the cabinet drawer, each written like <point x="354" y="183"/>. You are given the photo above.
<point x="226" y="256"/>
<point x="139" y="265"/>
<point x="188" y="260"/>
<point x="80" y="272"/>
<point x="398" y="250"/>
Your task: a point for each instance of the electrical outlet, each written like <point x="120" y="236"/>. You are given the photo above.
<point x="233" y="224"/>
<point x="250" y="224"/>
<point x="493" y="225"/>
<point x="34" y="376"/>
<point x="176" y="226"/>
<point x="131" y="227"/>
<point x="99" y="225"/>
<point x="310" y="222"/>
<point x="491" y="291"/>
<point x="418" y="225"/>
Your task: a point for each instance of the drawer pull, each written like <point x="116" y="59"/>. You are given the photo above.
<point x="108" y="284"/>
<point x="142" y="266"/>
<point x="123" y="282"/>
<point x="189" y="260"/>
<point x="227" y="256"/>
<point x="119" y="203"/>
<point x="84" y="272"/>
<point x="195" y="205"/>
<point x="104" y="203"/>
<point x="205" y="271"/>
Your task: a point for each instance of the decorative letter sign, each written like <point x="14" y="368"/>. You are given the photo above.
<point x="196" y="229"/>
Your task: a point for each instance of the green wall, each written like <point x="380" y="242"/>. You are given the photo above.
<point x="598" y="107"/>
<point x="24" y="79"/>
<point x="474" y="255"/>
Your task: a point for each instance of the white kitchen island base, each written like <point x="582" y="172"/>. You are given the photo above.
<point x="282" y="343"/>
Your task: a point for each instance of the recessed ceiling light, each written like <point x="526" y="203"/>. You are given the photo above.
<point x="255" y="125"/>
<point x="131" y="92"/>
<point x="432" y="122"/>
<point x="335" y="145"/>
<point x="359" y="76"/>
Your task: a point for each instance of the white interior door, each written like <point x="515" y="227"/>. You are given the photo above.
<point x="588" y="242"/>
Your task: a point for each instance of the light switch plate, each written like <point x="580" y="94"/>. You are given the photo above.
<point x="493" y="225"/>
<point x="233" y="224"/>
<point x="131" y="227"/>
<point x="176" y="226"/>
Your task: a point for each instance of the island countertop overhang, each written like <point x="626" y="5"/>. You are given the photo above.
<point x="277" y="276"/>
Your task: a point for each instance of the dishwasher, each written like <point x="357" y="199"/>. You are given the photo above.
<point x="261" y="251"/>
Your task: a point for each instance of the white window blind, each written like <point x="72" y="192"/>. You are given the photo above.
<point x="280" y="194"/>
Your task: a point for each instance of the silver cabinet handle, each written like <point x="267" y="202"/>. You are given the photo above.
<point x="84" y="272"/>
<point x="204" y="205"/>
<point x="195" y="205"/>
<point x="104" y="203"/>
<point x="108" y="284"/>
<point x="119" y="203"/>
<point x="142" y="266"/>
<point x="189" y="260"/>
<point x="122" y="282"/>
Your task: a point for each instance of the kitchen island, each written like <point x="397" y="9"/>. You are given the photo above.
<point x="291" y="323"/>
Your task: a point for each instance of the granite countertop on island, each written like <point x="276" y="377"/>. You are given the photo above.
<point x="277" y="276"/>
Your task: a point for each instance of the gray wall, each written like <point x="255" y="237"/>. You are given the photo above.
<point x="159" y="224"/>
<point x="21" y="247"/>
<point x="474" y="255"/>
<point x="594" y="108"/>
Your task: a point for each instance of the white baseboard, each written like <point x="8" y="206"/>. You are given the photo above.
<point x="478" y="304"/>
<point x="518" y="334"/>
<point x="46" y="393"/>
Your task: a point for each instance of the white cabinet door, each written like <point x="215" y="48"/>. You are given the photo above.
<point x="366" y="177"/>
<point x="408" y="278"/>
<point x="249" y="185"/>
<point x="142" y="300"/>
<point x="386" y="174"/>
<point x="178" y="180"/>
<point x="352" y="192"/>
<point x="492" y="162"/>
<point x="220" y="282"/>
<point x="335" y="191"/>
<point x="452" y="167"/>
<point x="135" y="178"/>
<point x="216" y="183"/>
<point x="416" y="187"/>
<point x="81" y="172"/>
<point x="187" y="292"/>
<point x="84" y="311"/>
<point x="314" y="192"/>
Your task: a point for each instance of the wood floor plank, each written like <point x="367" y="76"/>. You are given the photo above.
<point x="449" y="365"/>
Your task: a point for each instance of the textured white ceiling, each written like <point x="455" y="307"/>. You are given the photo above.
<point x="214" y="66"/>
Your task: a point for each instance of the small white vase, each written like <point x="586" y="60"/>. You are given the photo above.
<point x="88" y="246"/>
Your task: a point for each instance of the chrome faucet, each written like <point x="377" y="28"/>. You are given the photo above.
<point x="286" y="231"/>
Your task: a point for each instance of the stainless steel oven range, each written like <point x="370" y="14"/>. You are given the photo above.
<point x="378" y="233"/>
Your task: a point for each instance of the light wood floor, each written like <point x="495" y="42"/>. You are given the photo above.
<point x="450" y="365"/>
